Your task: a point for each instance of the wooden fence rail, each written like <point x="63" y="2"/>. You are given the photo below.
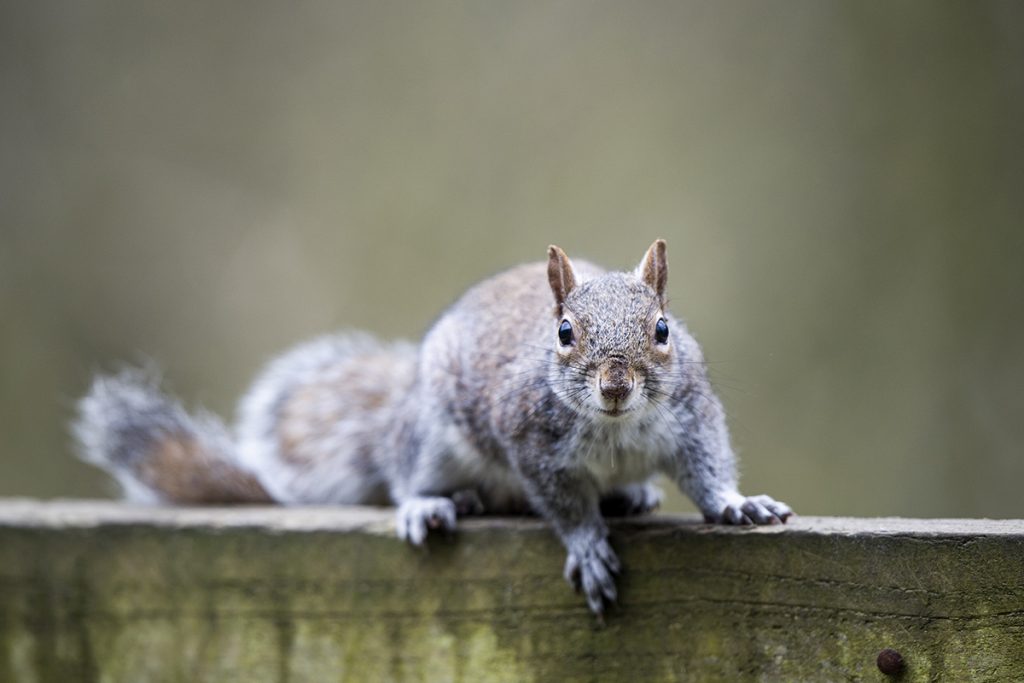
<point x="97" y="591"/>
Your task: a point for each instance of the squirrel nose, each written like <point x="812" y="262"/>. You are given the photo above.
<point x="616" y="391"/>
<point x="616" y="381"/>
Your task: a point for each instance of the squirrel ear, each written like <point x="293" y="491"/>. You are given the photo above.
<point x="654" y="268"/>
<point x="560" y="274"/>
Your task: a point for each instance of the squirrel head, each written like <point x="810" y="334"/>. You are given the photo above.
<point x="612" y="335"/>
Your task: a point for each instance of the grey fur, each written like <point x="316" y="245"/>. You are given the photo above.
<point x="491" y="409"/>
<point x="116" y="421"/>
<point x="123" y="422"/>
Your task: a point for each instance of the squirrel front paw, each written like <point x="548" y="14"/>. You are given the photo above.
<point x="590" y="568"/>
<point x="417" y="515"/>
<point x="751" y="510"/>
<point x="632" y="499"/>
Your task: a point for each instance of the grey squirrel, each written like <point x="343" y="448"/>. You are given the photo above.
<point x="559" y="389"/>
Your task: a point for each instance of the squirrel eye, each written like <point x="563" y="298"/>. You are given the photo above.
<point x="565" y="333"/>
<point x="661" y="331"/>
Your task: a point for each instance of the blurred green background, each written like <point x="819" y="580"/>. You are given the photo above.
<point x="841" y="185"/>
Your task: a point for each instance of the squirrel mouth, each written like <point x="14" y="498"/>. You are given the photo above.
<point x="614" y="412"/>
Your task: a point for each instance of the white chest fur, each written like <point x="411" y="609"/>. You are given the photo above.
<point x="623" y="453"/>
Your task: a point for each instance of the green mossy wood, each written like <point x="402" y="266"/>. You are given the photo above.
<point x="107" y="592"/>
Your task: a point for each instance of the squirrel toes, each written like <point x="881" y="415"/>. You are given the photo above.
<point x="562" y="399"/>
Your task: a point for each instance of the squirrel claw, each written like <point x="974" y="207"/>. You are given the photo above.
<point x="592" y="571"/>
<point x="752" y="510"/>
<point x="417" y="515"/>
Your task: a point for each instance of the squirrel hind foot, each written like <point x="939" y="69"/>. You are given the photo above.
<point x="467" y="502"/>
<point x="631" y="500"/>
<point x="417" y="516"/>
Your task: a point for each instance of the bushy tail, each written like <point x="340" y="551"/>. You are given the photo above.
<point x="155" y="449"/>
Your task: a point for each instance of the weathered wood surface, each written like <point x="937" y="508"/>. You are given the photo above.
<point x="105" y="592"/>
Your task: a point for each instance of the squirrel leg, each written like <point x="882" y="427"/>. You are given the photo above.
<point x="705" y="470"/>
<point x="714" y="492"/>
<point x="568" y="498"/>
<point x="708" y="477"/>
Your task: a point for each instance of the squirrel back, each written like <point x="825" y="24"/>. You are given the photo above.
<point x="316" y="423"/>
